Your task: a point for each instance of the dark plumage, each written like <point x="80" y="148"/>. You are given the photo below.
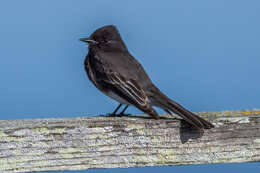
<point x="115" y="72"/>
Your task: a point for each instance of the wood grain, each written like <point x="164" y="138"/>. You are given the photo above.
<point x="135" y="141"/>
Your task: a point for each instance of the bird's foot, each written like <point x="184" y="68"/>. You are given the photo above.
<point x="123" y="115"/>
<point x="111" y="115"/>
<point x="117" y="115"/>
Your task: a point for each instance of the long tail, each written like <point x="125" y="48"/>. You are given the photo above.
<point x="166" y="103"/>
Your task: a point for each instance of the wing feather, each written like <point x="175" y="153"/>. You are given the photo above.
<point x="130" y="88"/>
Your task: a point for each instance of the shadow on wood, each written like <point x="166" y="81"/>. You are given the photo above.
<point x="188" y="132"/>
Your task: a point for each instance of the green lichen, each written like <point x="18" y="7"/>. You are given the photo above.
<point x="134" y="126"/>
<point x="257" y="141"/>
<point x="166" y="156"/>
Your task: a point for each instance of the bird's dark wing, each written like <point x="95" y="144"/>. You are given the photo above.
<point x="128" y="67"/>
<point x="129" y="90"/>
<point x="106" y="75"/>
<point x="128" y="87"/>
<point x="116" y="73"/>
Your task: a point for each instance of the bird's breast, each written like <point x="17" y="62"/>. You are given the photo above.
<point x="116" y="97"/>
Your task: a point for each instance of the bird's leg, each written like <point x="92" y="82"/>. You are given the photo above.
<point x="123" y="111"/>
<point x="166" y="110"/>
<point x="119" y="106"/>
<point x="114" y="113"/>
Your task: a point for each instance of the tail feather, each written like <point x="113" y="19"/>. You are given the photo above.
<point x="166" y="103"/>
<point x="189" y="116"/>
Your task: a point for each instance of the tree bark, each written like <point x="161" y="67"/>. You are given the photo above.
<point x="133" y="141"/>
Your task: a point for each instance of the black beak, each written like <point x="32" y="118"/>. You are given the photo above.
<point x="89" y="41"/>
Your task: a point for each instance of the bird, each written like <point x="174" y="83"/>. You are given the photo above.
<point x="115" y="72"/>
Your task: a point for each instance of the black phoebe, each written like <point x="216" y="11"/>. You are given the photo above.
<point x="115" y="72"/>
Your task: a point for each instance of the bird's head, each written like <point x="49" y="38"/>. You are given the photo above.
<point x="106" y="37"/>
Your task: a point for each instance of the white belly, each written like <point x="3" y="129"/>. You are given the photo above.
<point x="117" y="98"/>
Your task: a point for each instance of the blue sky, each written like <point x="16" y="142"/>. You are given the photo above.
<point x="203" y="54"/>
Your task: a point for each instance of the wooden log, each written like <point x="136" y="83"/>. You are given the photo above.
<point x="135" y="141"/>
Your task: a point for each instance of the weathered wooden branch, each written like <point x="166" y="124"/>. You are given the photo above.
<point x="111" y="142"/>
